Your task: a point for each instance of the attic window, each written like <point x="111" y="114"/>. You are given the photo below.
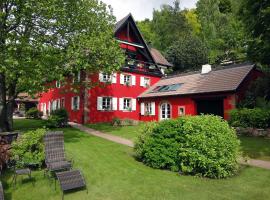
<point x="167" y="88"/>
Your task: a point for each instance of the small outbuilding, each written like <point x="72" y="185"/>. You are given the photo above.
<point x="208" y="91"/>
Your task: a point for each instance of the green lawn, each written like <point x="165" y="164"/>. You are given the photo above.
<point x="128" y="132"/>
<point x="257" y="148"/>
<point x="112" y="173"/>
<point x="28" y="124"/>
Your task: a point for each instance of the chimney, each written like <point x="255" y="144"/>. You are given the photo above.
<point x="206" y="69"/>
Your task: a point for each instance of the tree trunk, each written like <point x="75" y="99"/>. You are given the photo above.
<point x="10" y="104"/>
<point x="3" y="105"/>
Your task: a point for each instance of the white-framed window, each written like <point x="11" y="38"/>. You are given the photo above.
<point x="75" y="103"/>
<point x="106" y="103"/>
<point x="127" y="104"/>
<point x="181" y="111"/>
<point x="58" y="84"/>
<point x="105" y="77"/>
<point x="148" y="108"/>
<point x="54" y="105"/>
<point x="77" y="77"/>
<point x="62" y="104"/>
<point x="127" y="79"/>
<point x="58" y="104"/>
<point x="165" y="111"/>
<point x="145" y="82"/>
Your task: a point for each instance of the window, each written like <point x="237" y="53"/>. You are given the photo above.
<point x="145" y="82"/>
<point x="127" y="79"/>
<point x="181" y="111"/>
<point x="58" y="104"/>
<point x="77" y="77"/>
<point x="62" y="104"/>
<point x="167" y="88"/>
<point x="127" y="104"/>
<point x="105" y="77"/>
<point x="75" y="103"/>
<point x="58" y="84"/>
<point x="106" y="103"/>
<point x="148" y="109"/>
<point x="165" y="111"/>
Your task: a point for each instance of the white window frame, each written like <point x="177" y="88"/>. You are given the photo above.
<point x="126" y="102"/>
<point x="58" y="84"/>
<point x="167" y="109"/>
<point x="77" y="106"/>
<point x="183" y="112"/>
<point x="62" y="103"/>
<point x="148" y="108"/>
<point x="105" y="77"/>
<point x="127" y="79"/>
<point x="145" y="82"/>
<point x="107" y="103"/>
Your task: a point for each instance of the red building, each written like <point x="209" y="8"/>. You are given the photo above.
<point x="140" y="91"/>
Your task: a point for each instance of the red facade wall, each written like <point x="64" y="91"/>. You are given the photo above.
<point x="118" y="91"/>
<point x="67" y="94"/>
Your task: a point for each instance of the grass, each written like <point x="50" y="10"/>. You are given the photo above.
<point x="256" y="148"/>
<point x="112" y="173"/>
<point x="128" y="132"/>
<point x="28" y="124"/>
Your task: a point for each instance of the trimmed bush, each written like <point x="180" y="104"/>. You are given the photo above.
<point x="57" y="119"/>
<point x="33" y="113"/>
<point x="255" y="118"/>
<point x="29" y="148"/>
<point x="196" y="145"/>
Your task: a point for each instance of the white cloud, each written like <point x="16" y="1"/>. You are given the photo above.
<point x="142" y="9"/>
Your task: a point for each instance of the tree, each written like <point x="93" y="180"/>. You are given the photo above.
<point x="188" y="53"/>
<point x="192" y="19"/>
<point x="222" y="31"/>
<point x="169" y="24"/>
<point x="256" y="16"/>
<point x="41" y="41"/>
<point x="148" y="34"/>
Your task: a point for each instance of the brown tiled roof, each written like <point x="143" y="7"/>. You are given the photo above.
<point x="159" y="58"/>
<point x="222" y="80"/>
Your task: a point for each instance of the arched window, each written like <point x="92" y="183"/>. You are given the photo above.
<point x="165" y="111"/>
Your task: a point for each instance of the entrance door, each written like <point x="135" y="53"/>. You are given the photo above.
<point x="213" y="106"/>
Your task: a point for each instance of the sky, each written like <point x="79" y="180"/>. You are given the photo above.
<point x="142" y="9"/>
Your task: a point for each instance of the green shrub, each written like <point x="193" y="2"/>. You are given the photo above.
<point x="196" y="145"/>
<point x="57" y="119"/>
<point x="29" y="148"/>
<point x="255" y="118"/>
<point x="116" y="121"/>
<point x="33" y="113"/>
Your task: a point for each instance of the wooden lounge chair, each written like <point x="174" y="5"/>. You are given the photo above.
<point x="55" y="158"/>
<point x="70" y="180"/>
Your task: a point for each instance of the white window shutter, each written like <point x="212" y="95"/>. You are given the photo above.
<point x="114" y="77"/>
<point x="78" y="103"/>
<point x="100" y="76"/>
<point x="99" y="103"/>
<point x="72" y="105"/>
<point x="134" y="102"/>
<point x="142" y="81"/>
<point x="121" y="104"/>
<point x="142" y="108"/>
<point x="122" y="79"/>
<point x="114" y="103"/>
<point x="153" y="108"/>
<point x="133" y="80"/>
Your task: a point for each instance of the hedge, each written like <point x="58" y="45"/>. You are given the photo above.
<point x="255" y="118"/>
